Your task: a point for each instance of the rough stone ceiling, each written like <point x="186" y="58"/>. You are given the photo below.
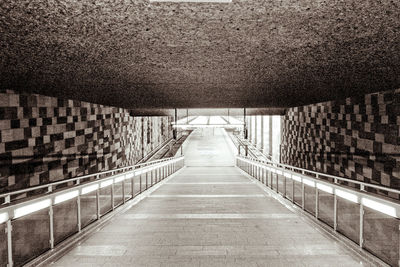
<point x="248" y="53"/>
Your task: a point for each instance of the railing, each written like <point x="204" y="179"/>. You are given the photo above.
<point x="30" y="227"/>
<point x="247" y="149"/>
<point x="17" y="195"/>
<point x="369" y="220"/>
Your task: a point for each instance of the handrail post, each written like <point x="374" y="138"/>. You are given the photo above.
<point x="316" y="201"/>
<point x="284" y="185"/>
<point x="303" y="195"/>
<point x="335" y="209"/>
<point x="151" y="178"/>
<point x="9" y="242"/>
<point x="147" y="180"/>
<point x="293" y="185"/>
<point x="140" y="183"/>
<point x="7" y="199"/>
<point x="78" y="207"/>
<point x="361" y="225"/>
<point x="51" y="218"/>
<point x="123" y="191"/>
<point x="98" y="203"/>
<point x="112" y="197"/>
<point x="133" y="184"/>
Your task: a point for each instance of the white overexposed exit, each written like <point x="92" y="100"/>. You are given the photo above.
<point x="208" y="147"/>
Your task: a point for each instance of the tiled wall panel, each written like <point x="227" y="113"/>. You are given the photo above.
<point x="45" y="139"/>
<point x="357" y="138"/>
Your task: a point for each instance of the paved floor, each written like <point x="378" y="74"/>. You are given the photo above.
<point x="209" y="216"/>
<point x="208" y="147"/>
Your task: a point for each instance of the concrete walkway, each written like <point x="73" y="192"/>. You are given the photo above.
<point x="209" y="216"/>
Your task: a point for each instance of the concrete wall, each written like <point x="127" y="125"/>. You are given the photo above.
<point x="45" y="139"/>
<point x="356" y="138"/>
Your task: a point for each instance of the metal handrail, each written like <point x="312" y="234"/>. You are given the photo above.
<point x="156" y="171"/>
<point x="250" y="147"/>
<point x="7" y="196"/>
<point x="298" y="187"/>
<point x="319" y="174"/>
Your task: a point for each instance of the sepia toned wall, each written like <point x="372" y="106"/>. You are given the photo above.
<point x="45" y="139"/>
<point x="357" y="138"/>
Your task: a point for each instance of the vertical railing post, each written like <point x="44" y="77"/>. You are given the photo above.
<point x="316" y="201"/>
<point x="51" y="218"/>
<point x="140" y="183"/>
<point x="303" y="195"/>
<point x="123" y="191"/>
<point x="78" y="205"/>
<point x="112" y="196"/>
<point x="263" y="175"/>
<point x="284" y="185"/>
<point x="335" y="209"/>
<point x="270" y="179"/>
<point x="9" y="242"/>
<point x="147" y="179"/>
<point x="98" y="203"/>
<point x="133" y="185"/>
<point x="398" y="245"/>
<point x="256" y="172"/>
<point x="361" y="225"/>
<point x="293" y="185"/>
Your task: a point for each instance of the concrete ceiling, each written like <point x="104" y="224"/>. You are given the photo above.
<point x="248" y="53"/>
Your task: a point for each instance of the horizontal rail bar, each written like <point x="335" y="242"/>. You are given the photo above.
<point x="318" y="174"/>
<point x="43" y="201"/>
<point x="386" y="206"/>
<point x="8" y="194"/>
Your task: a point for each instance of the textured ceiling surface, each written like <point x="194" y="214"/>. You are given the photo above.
<point x="248" y="53"/>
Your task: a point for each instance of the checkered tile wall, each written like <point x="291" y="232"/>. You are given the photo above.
<point x="45" y="139"/>
<point x="357" y="138"/>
